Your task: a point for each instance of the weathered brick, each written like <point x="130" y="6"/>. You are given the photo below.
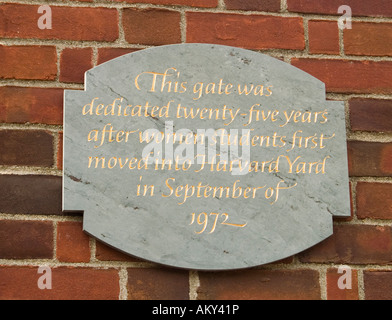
<point x="259" y="285"/>
<point x="68" y="283"/>
<point x="255" y="5"/>
<point x="28" y="62"/>
<point x="31" y="194"/>
<point x="191" y="3"/>
<point x="26" y="148"/>
<point x="34" y="105"/>
<point x="323" y="37"/>
<point x="336" y="293"/>
<point x="158" y="284"/>
<point x="21" y="239"/>
<point x="247" y="31"/>
<point x="370" y="115"/>
<point x="74" y="62"/>
<point x="369" y="159"/>
<point x="68" y="23"/>
<point x="374" y="200"/>
<point x="378" y="285"/>
<point x="73" y="245"/>
<point x="353" y="244"/>
<point x="349" y="76"/>
<point x="151" y="26"/>
<point x="368" y="39"/>
<point x="105" y="253"/>
<point x="376" y="8"/>
<point x="106" y="54"/>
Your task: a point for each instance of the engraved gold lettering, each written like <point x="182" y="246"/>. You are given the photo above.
<point x="97" y="160"/>
<point x="100" y="107"/>
<point x="198" y="88"/>
<point x="278" y="188"/>
<point x="88" y="108"/>
<point x="228" y="89"/>
<point x="231" y="224"/>
<point x="322" y="138"/>
<point x="145" y="189"/>
<point x="169" y="186"/>
<point x="245" y="90"/>
<point x="202" y="219"/>
<point x="215" y="221"/>
<point x="112" y="162"/>
<point x="288" y="118"/>
<point x="269" y="89"/>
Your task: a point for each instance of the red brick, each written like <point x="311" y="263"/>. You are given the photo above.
<point x="60" y="151"/>
<point x="368" y="39"/>
<point x="26" y="148"/>
<point x="374" y="200"/>
<point x="28" y="62"/>
<point x="105" y="253"/>
<point x="34" y="105"/>
<point x="190" y="3"/>
<point x="370" y="115"/>
<point x="74" y="63"/>
<point x="353" y="244"/>
<point x="386" y="160"/>
<point x="259" y="285"/>
<point x="349" y="76"/>
<point x="68" y="283"/>
<point x="31" y="194"/>
<point x="151" y="26"/>
<point x="73" y="245"/>
<point x="376" y="8"/>
<point x="372" y="159"/>
<point x="378" y="285"/>
<point x="158" y="284"/>
<point x="333" y="290"/>
<point x="106" y="54"/>
<point x="247" y="31"/>
<point x="256" y="5"/>
<point x="323" y="37"/>
<point x="26" y="239"/>
<point x="68" y="23"/>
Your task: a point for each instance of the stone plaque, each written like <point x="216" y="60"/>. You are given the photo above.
<point x="204" y="157"/>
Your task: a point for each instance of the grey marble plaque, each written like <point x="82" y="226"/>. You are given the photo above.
<point x="204" y="157"/>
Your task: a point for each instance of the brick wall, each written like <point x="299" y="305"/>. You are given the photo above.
<point x="37" y="65"/>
